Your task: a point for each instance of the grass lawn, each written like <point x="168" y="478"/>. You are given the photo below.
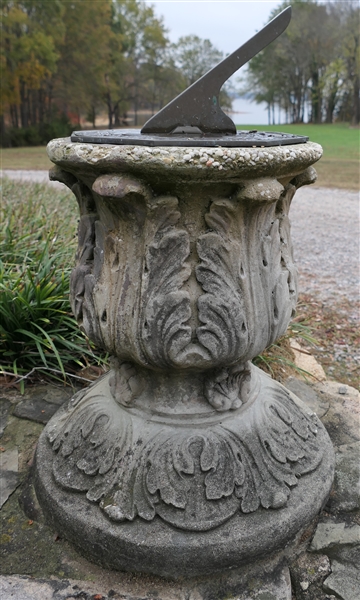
<point x="33" y="157"/>
<point x="338" y="168"/>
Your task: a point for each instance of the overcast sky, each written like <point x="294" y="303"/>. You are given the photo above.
<point x="226" y="23"/>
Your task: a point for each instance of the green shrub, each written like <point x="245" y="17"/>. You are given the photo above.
<point x="37" y="247"/>
<point x="60" y="127"/>
<point x="37" y="135"/>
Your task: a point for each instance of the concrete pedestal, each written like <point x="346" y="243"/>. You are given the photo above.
<point x="184" y="459"/>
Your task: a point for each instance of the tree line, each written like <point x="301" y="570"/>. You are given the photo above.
<point x="64" y="60"/>
<point x="313" y="69"/>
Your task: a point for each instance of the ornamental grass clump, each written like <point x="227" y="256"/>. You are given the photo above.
<point x="278" y="359"/>
<point x="38" y="332"/>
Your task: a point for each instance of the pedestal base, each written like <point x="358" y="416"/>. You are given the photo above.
<point x="179" y="495"/>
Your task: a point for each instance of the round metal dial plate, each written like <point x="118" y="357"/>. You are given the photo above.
<point x="132" y="137"/>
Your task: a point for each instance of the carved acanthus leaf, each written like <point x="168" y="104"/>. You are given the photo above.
<point x="125" y="382"/>
<point x="166" y="307"/>
<point x="224" y="330"/>
<point x="229" y="388"/>
<point x="103" y="449"/>
<point x="82" y="281"/>
<point x="247" y="274"/>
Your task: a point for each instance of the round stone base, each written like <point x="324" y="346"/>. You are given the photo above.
<point x="157" y="546"/>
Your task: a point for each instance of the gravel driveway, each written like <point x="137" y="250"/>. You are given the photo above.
<point x="325" y="232"/>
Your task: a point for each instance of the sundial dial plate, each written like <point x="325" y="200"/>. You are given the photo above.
<point x="131" y="137"/>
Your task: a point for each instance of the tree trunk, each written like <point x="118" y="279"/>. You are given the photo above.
<point x="48" y="112"/>
<point x="356" y="102"/>
<point x="34" y="107"/>
<point x="331" y="105"/>
<point x="14" y="116"/>
<point x="314" y="97"/>
<point x="116" y="116"/>
<point x="2" y="129"/>
<point x="135" y="112"/>
<point x="93" y="116"/>
<point x="110" y="125"/>
<point x="110" y="111"/>
<point x="23" y="106"/>
<point x="41" y="105"/>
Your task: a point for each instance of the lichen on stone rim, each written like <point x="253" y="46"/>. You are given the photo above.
<point x="218" y="163"/>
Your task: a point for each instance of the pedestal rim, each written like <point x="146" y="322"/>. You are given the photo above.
<point x="194" y="164"/>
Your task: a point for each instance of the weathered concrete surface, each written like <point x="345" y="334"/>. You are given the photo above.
<point x="318" y="404"/>
<point x="189" y="164"/>
<point x="9" y="481"/>
<point x="262" y="531"/>
<point x="308" y="573"/>
<point x="342" y="420"/>
<point x="25" y="588"/>
<point x="42" y="405"/>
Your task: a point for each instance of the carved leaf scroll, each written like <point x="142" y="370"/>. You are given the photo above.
<point x="164" y="329"/>
<point x="131" y="266"/>
<point x="222" y="309"/>
<point x="156" y="469"/>
<point x="125" y="382"/>
<point x="229" y="388"/>
<point x="82" y="281"/>
<point x="248" y="275"/>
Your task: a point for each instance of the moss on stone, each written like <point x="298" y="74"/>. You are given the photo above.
<point x="31" y="547"/>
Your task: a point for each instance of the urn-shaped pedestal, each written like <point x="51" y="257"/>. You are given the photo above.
<point x="184" y="458"/>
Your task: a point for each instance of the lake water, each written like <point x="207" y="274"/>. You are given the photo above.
<point x="246" y="112"/>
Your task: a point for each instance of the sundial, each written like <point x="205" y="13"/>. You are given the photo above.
<point x="195" y="117"/>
